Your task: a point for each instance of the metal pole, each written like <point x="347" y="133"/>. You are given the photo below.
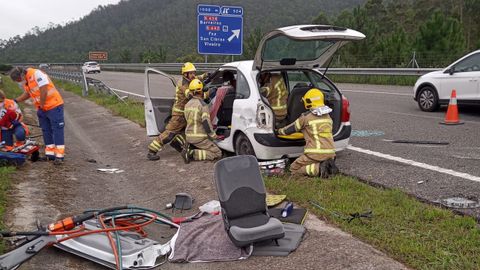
<point x="85" y="84"/>
<point x="206" y="58"/>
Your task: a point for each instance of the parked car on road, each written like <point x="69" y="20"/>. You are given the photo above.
<point x="434" y="89"/>
<point x="44" y="66"/>
<point x="91" y="67"/>
<point x="245" y="118"/>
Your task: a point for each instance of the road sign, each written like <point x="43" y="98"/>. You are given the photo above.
<point x="95" y="56"/>
<point x="220" y="29"/>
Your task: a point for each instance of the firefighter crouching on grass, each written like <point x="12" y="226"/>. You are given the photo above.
<point x="176" y="124"/>
<point x="11" y="123"/>
<point x="318" y="158"/>
<point x="199" y="132"/>
<point x="49" y="103"/>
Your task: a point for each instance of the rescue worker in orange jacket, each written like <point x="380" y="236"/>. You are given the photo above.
<point x="11" y="123"/>
<point x="177" y="123"/>
<point x="199" y="132"/>
<point x="49" y="104"/>
<point x="318" y="158"/>
<point x="273" y="87"/>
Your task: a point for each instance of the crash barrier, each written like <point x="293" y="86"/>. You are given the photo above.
<point x="175" y="67"/>
<point x="79" y="77"/>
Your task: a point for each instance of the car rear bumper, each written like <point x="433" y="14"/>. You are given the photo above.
<point x="268" y="146"/>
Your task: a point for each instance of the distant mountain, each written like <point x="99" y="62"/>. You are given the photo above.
<point x="157" y="30"/>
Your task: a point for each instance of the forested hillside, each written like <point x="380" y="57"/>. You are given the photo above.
<point x="437" y="31"/>
<point x="155" y="30"/>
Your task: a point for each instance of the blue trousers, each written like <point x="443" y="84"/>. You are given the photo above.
<point x="18" y="131"/>
<point x="52" y="124"/>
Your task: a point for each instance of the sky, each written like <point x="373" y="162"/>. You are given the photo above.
<point x="17" y="17"/>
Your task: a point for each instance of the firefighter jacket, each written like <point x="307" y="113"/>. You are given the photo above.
<point x="180" y="97"/>
<point x="197" y="115"/>
<point x="317" y="131"/>
<point x="277" y="95"/>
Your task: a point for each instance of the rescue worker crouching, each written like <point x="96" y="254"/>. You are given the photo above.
<point x="177" y="123"/>
<point x="318" y="158"/>
<point x="11" y="123"/>
<point x="199" y="132"/>
<point x="273" y="87"/>
<point x="49" y="103"/>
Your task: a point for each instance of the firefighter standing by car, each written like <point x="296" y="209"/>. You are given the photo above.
<point x="274" y="89"/>
<point x="177" y="122"/>
<point x="316" y="126"/>
<point x="49" y="104"/>
<point x="11" y="123"/>
<point x="199" y="132"/>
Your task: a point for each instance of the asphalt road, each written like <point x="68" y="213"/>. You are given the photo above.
<point x="380" y="115"/>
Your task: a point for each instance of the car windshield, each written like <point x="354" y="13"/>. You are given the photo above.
<point x="281" y="47"/>
<point x="92" y="64"/>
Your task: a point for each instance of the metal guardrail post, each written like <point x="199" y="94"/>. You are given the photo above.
<point x="85" y="85"/>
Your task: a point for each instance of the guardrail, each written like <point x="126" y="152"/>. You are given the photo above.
<point x="176" y="67"/>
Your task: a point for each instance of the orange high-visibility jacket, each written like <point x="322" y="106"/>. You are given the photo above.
<point x="53" y="100"/>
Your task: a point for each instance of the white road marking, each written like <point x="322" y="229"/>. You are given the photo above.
<point x="377" y="92"/>
<point x="430" y="117"/>
<point x="416" y="164"/>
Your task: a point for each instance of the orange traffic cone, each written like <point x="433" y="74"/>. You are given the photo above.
<point x="451" y="118"/>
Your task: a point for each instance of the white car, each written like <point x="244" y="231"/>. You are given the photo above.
<point x="91" y="67"/>
<point x="245" y="118"/>
<point x="434" y="89"/>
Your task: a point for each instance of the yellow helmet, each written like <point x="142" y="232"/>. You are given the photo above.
<point x="188" y="67"/>
<point x="313" y="99"/>
<point x="194" y="87"/>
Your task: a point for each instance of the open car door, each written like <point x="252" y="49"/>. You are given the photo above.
<point x="301" y="46"/>
<point x="158" y="103"/>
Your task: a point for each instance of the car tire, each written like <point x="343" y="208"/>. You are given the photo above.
<point x="428" y="99"/>
<point x="243" y="145"/>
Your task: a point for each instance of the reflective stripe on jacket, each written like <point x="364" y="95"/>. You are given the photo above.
<point x="317" y="131"/>
<point x="53" y="99"/>
<point x="180" y="98"/>
<point x="196" y="112"/>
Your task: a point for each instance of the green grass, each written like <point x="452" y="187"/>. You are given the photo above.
<point x="420" y="235"/>
<point x="11" y="90"/>
<point x="132" y="110"/>
<point x="374" y="79"/>
<point x="5" y="176"/>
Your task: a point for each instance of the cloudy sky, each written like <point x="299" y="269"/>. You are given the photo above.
<point x="19" y="16"/>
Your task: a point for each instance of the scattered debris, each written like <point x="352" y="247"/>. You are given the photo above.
<point x="459" y="202"/>
<point x="367" y="133"/>
<point x="418" y="142"/>
<point x="420" y="182"/>
<point x="91" y="160"/>
<point x="273" y="167"/>
<point x="112" y="170"/>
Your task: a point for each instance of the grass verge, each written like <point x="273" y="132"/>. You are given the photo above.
<point x="420" y="235"/>
<point x="11" y="90"/>
<point x="131" y="109"/>
<point x="374" y="79"/>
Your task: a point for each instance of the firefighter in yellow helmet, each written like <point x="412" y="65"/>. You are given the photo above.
<point x="199" y="132"/>
<point x="318" y="158"/>
<point x="176" y="124"/>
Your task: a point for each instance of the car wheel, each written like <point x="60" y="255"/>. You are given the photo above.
<point x="243" y="146"/>
<point x="428" y="99"/>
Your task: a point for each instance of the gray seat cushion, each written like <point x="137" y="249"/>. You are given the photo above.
<point x="273" y="229"/>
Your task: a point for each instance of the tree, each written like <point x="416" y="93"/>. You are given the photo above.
<point x="125" y="56"/>
<point x="250" y="44"/>
<point x="321" y="18"/>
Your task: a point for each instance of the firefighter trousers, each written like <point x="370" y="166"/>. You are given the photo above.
<point x="205" y="149"/>
<point x="172" y="131"/>
<point x="312" y="165"/>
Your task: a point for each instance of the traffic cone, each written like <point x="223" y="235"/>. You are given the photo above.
<point x="451" y="118"/>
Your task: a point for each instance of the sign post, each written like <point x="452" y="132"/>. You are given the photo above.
<point x="220" y="29"/>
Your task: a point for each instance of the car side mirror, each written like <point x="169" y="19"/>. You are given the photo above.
<point x="451" y="70"/>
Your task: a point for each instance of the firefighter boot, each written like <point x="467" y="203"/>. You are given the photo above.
<point x="187" y="153"/>
<point x="332" y="167"/>
<point x="323" y="169"/>
<point x="152" y="155"/>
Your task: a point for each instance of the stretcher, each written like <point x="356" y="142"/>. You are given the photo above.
<point x="20" y="154"/>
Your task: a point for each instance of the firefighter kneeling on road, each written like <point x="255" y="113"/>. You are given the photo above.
<point x="316" y="125"/>
<point x="199" y="131"/>
<point x="177" y="123"/>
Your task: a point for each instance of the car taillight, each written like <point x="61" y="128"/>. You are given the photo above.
<point x="345" y="109"/>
